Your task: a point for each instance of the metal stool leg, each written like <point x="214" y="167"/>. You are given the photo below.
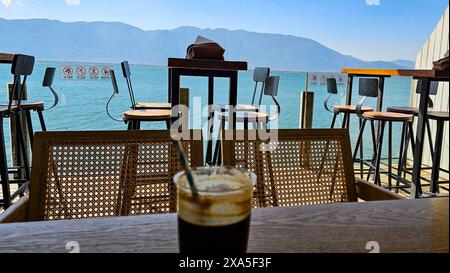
<point x="42" y="121"/>
<point x="361" y="132"/>
<point x="374" y="148"/>
<point x="29" y="127"/>
<point x="23" y="149"/>
<point x="4" y="169"/>
<point x="437" y="157"/>
<point x="361" y="152"/>
<point x="403" y="142"/>
<point x="333" y="122"/>
<point x="218" y="148"/>
<point x="379" y="153"/>
<point x="345" y="121"/>
<point x="390" y="155"/>
<point x="430" y="138"/>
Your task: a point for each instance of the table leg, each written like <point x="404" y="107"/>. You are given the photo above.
<point x="233" y="98"/>
<point x="379" y="103"/>
<point x="416" y="187"/>
<point x="174" y="93"/>
<point x="209" y="158"/>
<point x="348" y="98"/>
<point x="169" y="93"/>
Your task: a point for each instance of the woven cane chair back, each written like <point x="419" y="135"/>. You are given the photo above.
<point x="307" y="167"/>
<point x="105" y="174"/>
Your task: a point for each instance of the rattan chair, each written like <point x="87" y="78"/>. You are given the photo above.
<point x="294" y="171"/>
<point x="103" y="174"/>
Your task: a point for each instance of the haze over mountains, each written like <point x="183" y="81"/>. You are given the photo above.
<point x="114" y="42"/>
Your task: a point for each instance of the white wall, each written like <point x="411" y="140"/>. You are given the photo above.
<point x="434" y="49"/>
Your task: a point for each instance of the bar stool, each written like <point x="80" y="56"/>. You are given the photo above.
<point x="259" y="77"/>
<point x="347" y="110"/>
<point x="415" y="112"/>
<point x="258" y="119"/>
<point x="135" y="117"/>
<point x="440" y="118"/>
<point x="369" y="88"/>
<point x="38" y="106"/>
<point x="21" y="68"/>
<point x="139" y="105"/>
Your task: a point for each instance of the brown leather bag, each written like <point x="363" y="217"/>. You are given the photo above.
<point x="442" y="64"/>
<point x="205" y="49"/>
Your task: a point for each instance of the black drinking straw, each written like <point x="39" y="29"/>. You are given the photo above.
<point x="187" y="169"/>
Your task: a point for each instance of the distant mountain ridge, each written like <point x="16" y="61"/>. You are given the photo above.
<point x="114" y="42"/>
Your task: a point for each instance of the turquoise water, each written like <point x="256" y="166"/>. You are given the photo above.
<point x="82" y="103"/>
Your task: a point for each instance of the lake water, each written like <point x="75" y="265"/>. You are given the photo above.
<point x="82" y="103"/>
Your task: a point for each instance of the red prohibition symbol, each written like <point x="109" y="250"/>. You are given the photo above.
<point x="93" y="71"/>
<point x="105" y="71"/>
<point x="81" y="71"/>
<point x="68" y="71"/>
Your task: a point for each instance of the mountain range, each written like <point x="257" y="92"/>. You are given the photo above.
<point x="113" y="42"/>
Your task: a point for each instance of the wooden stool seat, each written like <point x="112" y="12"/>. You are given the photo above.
<point x="350" y="109"/>
<point x="239" y="107"/>
<point x="387" y="116"/>
<point x="404" y="110"/>
<point x="436" y="115"/>
<point x="29" y="105"/>
<point x="245" y="116"/>
<point x="147" y="115"/>
<point x="145" y="105"/>
<point x="3" y="109"/>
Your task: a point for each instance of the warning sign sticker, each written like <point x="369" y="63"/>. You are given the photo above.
<point x="90" y="72"/>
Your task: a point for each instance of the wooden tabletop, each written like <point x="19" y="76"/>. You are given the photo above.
<point x="207" y="64"/>
<point x="6" y="58"/>
<point x="416" y="73"/>
<point x="397" y="226"/>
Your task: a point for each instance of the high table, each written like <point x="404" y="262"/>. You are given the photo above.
<point x="419" y="225"/>
<point x="204" y="68"/>
<point x="428" y="76"/>
<point x="6" y="58"/>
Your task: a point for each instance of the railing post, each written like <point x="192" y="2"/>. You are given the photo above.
<point x="307" y="110"/>
<point x="184" y="100"/>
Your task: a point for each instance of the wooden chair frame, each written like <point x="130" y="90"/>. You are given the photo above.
<point x="31" y="208"/>
<point x="356" y="188"/>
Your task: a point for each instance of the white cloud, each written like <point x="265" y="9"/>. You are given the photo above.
<point x="7" y="3"/>
<point x="72" y="2"/>
<point x="373" y="2"/>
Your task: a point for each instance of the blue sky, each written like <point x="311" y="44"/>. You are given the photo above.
<point x="367" y="29"/>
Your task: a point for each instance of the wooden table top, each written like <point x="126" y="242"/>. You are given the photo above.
<point x="398" y="226"/>
<point x="416" y="73"/>
<point x="6" y="58"/>
<point x="207" y="64"/>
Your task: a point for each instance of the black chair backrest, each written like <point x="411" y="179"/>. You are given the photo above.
<point x="271" y="89"/>
<point x="332" y="86"/>
<point x="259" y="76"/>
<point x="48" y="82"/>
<point x="368" y="87"/>
<point x="127" y="74"/>
<point x="22" y="66"/>
<point x="114" y="81"/>
<point x="49" y="76"/>
<point x="434" y="86"/>
<point x="126" y="69"/>
<point x="271" y="86"/>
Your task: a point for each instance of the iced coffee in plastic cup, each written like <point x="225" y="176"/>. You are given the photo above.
<point x="217" y="220"/>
